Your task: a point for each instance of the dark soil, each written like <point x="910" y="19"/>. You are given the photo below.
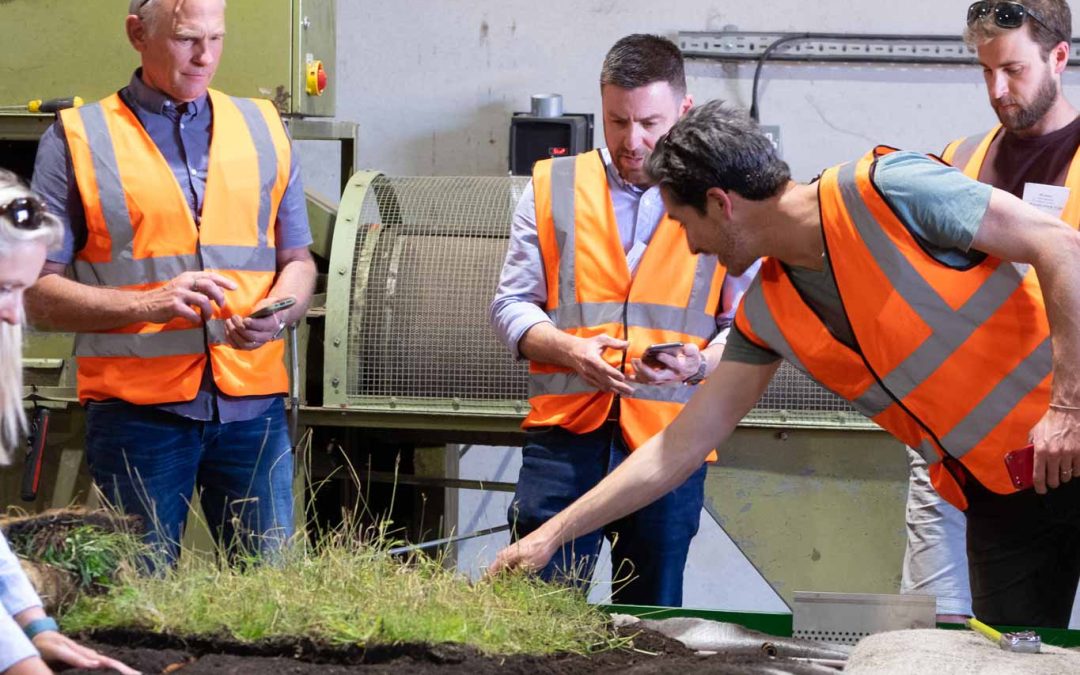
<point x="650" y="653"/>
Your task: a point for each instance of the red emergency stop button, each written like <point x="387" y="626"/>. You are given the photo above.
<point x="316" y="78"/>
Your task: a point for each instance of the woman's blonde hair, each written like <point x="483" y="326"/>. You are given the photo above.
<point x="51" y="234"/>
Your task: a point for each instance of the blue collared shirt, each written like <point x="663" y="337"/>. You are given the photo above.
<point x="182" y="133"/>
<point x="522" y="291"/>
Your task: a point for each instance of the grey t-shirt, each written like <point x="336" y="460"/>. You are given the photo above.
<point x="939" y="205"/>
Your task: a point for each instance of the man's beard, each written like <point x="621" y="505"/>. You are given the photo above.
<point x="1025" y="117"/>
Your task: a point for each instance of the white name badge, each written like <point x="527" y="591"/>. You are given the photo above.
<point x="1048" y="198"/>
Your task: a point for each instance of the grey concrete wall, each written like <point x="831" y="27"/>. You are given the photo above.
<point x="433" y="83"/>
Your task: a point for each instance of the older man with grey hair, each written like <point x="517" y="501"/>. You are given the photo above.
<point x="184" y="217"/>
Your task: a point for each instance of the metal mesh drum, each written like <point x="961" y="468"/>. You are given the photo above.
<point x="414" y="266"/>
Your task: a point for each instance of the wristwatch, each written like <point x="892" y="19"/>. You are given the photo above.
<point x="697" y="377"/>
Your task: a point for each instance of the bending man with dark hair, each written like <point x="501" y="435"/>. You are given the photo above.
<point x="594" y="274"/>
<point x="907" y="288"/>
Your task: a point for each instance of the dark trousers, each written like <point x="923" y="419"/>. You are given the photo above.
<point x="649" y="547"/>
<point x="1023" y="554"/>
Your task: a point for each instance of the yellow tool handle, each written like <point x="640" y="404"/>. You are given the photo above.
<point x="981" y="628"/>
<point x="53" y="104"/>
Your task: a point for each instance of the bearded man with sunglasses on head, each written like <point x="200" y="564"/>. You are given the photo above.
<point x="1023" y="48"/>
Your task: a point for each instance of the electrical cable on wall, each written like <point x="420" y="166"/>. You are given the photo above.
<point x="758" y="46"/>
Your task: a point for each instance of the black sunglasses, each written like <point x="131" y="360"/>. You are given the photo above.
<point x="25" y="213"/>
<point x="1006" y="14"/>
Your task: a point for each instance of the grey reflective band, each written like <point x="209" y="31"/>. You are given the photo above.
<point x="949" y="328"/>
<point x="267" y="156"/>
<point x="1001" y="400"/>
<point x="703" y="275"/>
<point x="124" y="269"/>
<point x="583" y="314"/>
<point x="215" y="332"/>
<point x="562" y="215"/>
<point x="141" y="345"/>
<point x="545" y="384"/>
<point x="871" y="402"/>
<point x="763" y="324"/>
<point x="240" y="258"/>
<point x="691" y="320"/>
<point x="928" y="451"/>
<point x="674" y="393"/>
<point x="107" y="173"/>
<point x="638" y="314"/>
<point x="149" y="345"/>
<point x="966" y="150"/>
<point x="561" y="384"/>
<point x="128" y="272"/>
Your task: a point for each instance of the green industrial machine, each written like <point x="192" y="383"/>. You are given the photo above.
<point x="399" y="369"/>
<point x="79" y="49"/>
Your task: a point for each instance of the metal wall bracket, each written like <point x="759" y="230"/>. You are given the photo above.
<point x="733" y="45"/>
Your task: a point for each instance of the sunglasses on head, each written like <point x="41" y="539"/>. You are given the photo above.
<point x="1006" y="14"/>
<point x="25" y="213"/>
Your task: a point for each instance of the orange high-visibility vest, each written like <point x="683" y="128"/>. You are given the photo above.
<point x="969" y="153"/>
<point x="673" y="296"/>
<point x="955" y="363"/>
<point x="141" y="234"/>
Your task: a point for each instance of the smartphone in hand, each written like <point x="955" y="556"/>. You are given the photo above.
<point x="273" y="308"/>
<point x="651" y="352"/>
<point x="1021" y="466"/>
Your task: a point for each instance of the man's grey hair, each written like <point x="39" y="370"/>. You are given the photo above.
<point x="148" y="11"/>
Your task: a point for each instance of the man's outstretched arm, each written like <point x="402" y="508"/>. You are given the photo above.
<point x="1014" y="230"/>
<point x="654" y="469"/>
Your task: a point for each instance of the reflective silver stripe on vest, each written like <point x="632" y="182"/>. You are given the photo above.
<point x="141" y="345"/>
<point x="562" y="215"/>
<point x="267" y="155"/>
<point x="1001" y="400"/>
<point x="966" y="150"/>
<point x="544" y="384"/>
<point x="148" y="345"/>
<point x="674" y="393"/>
<point x="699" y="294"/>
<point x="125" y="270"/>
<point x="110" y="189"/>
<point x="928" y="451"/>
<point x="949" y="328"/>
<point x="871" y="403"/>
<point x="246" y="258"/>
<point x="129" y="272"/>
<point x="692" y="320"/>
<point x="638" y="314"/>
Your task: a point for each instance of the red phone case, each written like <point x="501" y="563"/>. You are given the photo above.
<point x="1021" y="466"/>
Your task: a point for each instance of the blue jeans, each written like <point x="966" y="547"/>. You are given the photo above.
<point x="149" y="462"/>
<point x="649" y="546"/>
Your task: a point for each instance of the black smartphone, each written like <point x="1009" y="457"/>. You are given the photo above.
<point x="273" y="308"/>
<point x="1021" y="466"/>
<point x="649" y="357"/>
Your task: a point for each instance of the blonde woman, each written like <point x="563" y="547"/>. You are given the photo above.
<point x="28" y="638"/>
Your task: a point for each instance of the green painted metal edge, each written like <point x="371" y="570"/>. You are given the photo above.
<point x="350" y="417"/>
<point x="339" y="287"/>
<point x="766" y="622"/>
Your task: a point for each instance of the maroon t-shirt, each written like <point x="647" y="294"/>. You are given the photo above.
<point x="1012" y="161"/>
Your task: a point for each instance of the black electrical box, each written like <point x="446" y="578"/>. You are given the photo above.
<point x="534" y="138"/>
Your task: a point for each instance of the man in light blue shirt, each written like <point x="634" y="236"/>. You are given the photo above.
<point x="643" y="91"/>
